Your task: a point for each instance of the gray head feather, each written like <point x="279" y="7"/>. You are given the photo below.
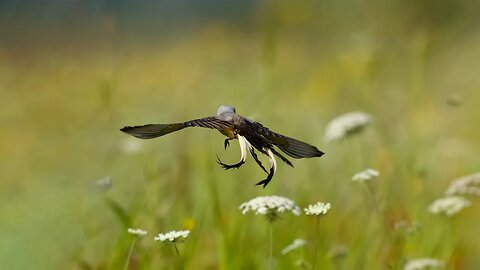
<point x="225" y="109"/>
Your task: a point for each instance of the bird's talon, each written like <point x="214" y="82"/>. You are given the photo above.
<point x="263" y="182"/>
<point x="226" y="144"/>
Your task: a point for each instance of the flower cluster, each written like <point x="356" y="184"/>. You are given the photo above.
<point x="270" y="206"/>
<point x="407" y="227"/>
<point x="466" y="185"/>
<point x="449" y="205"/>
<point x="103" y="184"/>
<point x="423" y="263"/>
<point x="365" y="175"/>
<point x="317" y="209"/>
<point x="297" y="243"/>
<point x="137" y="232"/>
<point x="345" y="124"/>
<point x="131" y="145"/>
<point x="172" y="237"/>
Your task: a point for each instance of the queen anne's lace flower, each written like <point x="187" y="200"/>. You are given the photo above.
<point x="423" y="263"/>
<point x="317" y="209"/>
<point x="407" y="227"/>
<point x="137" y="232"/>
<point x="103" y="184"/>
<point x="297" y="243"/>
<point x="131" y="145"/>
<point x="345" y="124"/>
<point x="172" y="237"/>
<point x="449" y="205"/>
<point x="365" y="175"/>
<point x="466" y="185"/>
<point x="270" y="206"/>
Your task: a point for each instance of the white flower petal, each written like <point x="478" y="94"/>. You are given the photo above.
<point x="423" y="263"/>
<point x="466" y="185"/>
<point x="137" y="232"/>
<point x="449" y="205"/>
<point x="172" y="236"/>
<point x="270" y="204"/>
<point x="365" y="175"/>
<point x="317" y="209"/>
<point x="345" y="124"/>
<point x="297" y="243"/>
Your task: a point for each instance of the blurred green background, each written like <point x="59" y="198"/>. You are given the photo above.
<point x="73" y="72"/>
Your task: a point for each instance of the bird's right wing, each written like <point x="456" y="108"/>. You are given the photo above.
<point x="156" y="130"/>
<point x="152" y="130"/>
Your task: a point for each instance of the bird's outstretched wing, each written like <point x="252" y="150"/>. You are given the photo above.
<point x="209" y="122"/>
<point x="156" y="130"/>
<point x="152" y="130"/>
<point x="290" y="146"/>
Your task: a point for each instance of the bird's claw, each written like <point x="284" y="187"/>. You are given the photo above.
<point x="266" y="181"/>
<point x="263" y="182"/>
<point x="228" y="167"/>
<point x="226" y="143"/>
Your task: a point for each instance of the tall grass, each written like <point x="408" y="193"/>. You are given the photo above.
<point x="65" y="92"/>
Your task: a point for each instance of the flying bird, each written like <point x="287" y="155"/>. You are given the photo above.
<point x="251" y="136"/>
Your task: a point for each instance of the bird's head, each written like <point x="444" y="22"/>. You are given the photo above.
<point x="225" y="109"/>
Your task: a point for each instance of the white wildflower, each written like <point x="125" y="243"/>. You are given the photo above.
<point x="408" y="227"/>
<point x="297" y="243"/>
<point x="466" y="185"/>
<point x="137" y="232"/>
<point x="365" y="175"/>
<point x="172" y="237"/>
<point x="337" y="251"/>
<point x="345" y="124"/>
<point x="131" y="145"/>
<point x="103" y="184"/>
<point x="423" y="263"/>
<point x="270" y="206"/>
<point x="448" y="205"/>
<point x="317" y="209"/>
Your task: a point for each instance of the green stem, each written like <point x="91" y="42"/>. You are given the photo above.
<point x="179" y="263"/>
<point x="316" y="242"/>
<point x="125" y="267"/>
<point x="271" y="247"/>
<point x="176" y="250"/>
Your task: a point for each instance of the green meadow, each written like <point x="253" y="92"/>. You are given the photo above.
<point x="73" y="73"/>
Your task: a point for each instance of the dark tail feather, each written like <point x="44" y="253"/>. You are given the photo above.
<point x="153" y="130"/>
<point x="284" y="159"/>
<point x="298" y="149"/>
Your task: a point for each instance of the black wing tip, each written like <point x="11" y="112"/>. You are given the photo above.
<point x="129" y="130"/>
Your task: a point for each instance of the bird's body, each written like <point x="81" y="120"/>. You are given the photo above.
<point x="250" y="134"/>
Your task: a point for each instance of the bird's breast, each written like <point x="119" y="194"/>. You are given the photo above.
<point x="229" y="132"/>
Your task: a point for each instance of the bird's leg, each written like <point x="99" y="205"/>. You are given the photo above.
<point x="273" y="168"/>
<point x="233" y="166"/>
<point x="226" y="143"/>
<point x="269" y="178"/>
<point x="255" y="157"/>
<point x="243" y="149"/>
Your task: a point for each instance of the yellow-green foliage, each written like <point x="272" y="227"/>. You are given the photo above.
<point x="72" y="74"/>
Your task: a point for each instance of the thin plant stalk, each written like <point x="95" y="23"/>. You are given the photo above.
<point x="315" y="251"/>
<point x="125" y="267"/>
<point x="176" y="250"/>
<point x="179" y="264"/>
<point x="271" y="247"/>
